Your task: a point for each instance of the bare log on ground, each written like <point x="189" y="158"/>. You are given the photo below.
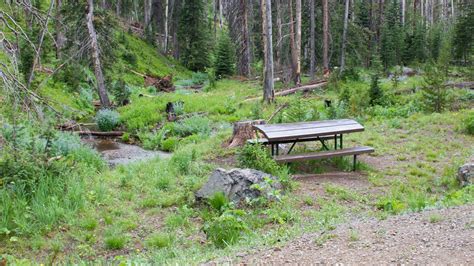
<point x="160" y="83"/>
<point x="461" y="85"/>
<point x="100" y="133"/>
<point x="277" y="111"/>
<point x="304" y="88"/>
<point x="243" y="131"/>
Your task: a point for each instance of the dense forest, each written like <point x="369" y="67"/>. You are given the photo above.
<point x="115" y="115"/>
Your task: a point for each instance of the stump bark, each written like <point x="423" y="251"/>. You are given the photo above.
<point x="243" y="131"/>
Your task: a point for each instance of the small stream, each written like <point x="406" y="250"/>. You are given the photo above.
<point x="117" y="153"/>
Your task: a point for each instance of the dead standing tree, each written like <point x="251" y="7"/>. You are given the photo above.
<point x="99" y="76"/>
<point x="268" y="90"/>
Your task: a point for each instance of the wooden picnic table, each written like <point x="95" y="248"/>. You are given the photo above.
<point x="275" y="134"/>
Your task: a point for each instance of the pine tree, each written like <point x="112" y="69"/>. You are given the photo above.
<point x="463" y="33"/>
<point x="193" y="35"/>
<point x="434" y="91"/>
<point x="392" y="36"/>
<point x="375" y="92"/>
<point x="224" y="62"/>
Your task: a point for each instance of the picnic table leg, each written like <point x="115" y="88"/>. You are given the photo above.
<point x="335" y="141"/>
<point x="273" y="150"/>
<point x="340" y="141"/>
<point x="292" y="146"/>
<point x="355" y="162"/>
<point x="277" y="149"/>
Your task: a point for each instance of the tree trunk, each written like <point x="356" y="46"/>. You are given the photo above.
<point x="403" y="3"/>
<point x="60" y="37"/>
<point x="292" y="39"/>
<point x="278" y="51"/>
<point x="104" y="98"/>
<point x="244" y="64"/>
<point x="268" y="91"/>
<point x="118" y="7"/>
<point x="312" y="68"/>
<point x="146" y="14"/>
<point x="297" y="73"/>
<point x="165" y="47"/>
<point x="325" y="35"/>
<point x="344" y="36"/>
<point x="221" y="16"/>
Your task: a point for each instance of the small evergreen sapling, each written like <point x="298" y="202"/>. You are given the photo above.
<point x="375" y="93"/>
<point x="224" y="63"/>
<point x="434" y="92"/>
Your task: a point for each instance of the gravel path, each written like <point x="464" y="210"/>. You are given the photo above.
<point x="432" y="237"/>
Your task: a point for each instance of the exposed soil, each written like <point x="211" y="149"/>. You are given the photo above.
<point x="431" y="237"/>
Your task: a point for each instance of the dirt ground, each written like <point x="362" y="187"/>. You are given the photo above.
<point x="438" y="236"/>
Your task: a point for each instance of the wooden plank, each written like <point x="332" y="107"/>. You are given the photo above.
<point x="312" y="132"/>
<point x="298" y="125"/>
<point x="324" y="154"/>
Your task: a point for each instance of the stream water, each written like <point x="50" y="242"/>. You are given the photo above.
<point x="117" y="153"/>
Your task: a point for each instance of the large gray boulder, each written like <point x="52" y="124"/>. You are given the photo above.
<point x="466" y="174"/>
<point x="239" y="185"/>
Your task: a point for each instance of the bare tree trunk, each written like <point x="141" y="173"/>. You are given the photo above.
<point x="166" y="26"/>
<point x="268" y="91"/>
<point x="297" y="74"/>
<point x="104" y="98"/>
<point x="103" y="4"/>
<point x="221" y="16"/>
<point x="403" y="3"/>
<point x="38" y="47"/>
<point x="325" y="35"/>
<point x="118" y="7"/>
<point x="146" y="14"/>
<point x="292" y="38"/>
<point x="244" y="65"/>
<point x="278" y="51"/>
<point x="312" y="60"/>
<point x="60" y="37"/>
<point x="344" y="36"/>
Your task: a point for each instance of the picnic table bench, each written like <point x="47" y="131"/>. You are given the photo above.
<point x="322" y="131"/>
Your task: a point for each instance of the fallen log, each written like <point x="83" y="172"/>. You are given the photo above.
<point x="277" y="111"/>
<point x="304" y="88"/>
<point x="100" y="133"/>
<point x="461" y="85"/>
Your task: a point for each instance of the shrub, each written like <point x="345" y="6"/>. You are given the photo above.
<point x="121" y="92"/>
<point x="130" y="58"/>
<point x="107" y="120"/>
<point x="375" y="92"/>
<point x="469" y="123"/>
<point x="256" y="157"/>
<point x="152" y="141"/>
<point x="192" y="125"/>
<point x="159" y="240"/>
<point x="226" y="229"/>
<point x="170" y="144"/>
<point x="64" y="143"/>
<point x="199" y="78"/>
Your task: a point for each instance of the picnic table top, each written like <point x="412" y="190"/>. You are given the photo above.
<point x="295" y="131"/>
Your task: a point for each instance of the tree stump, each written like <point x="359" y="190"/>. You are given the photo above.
<point x="243" y="131"/>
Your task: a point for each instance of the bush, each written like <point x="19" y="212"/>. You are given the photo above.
<point x="226" y="229"/>
<point x="192" y="125"/>
<point x="469" y="123"/>
<point x="37" y="188"/>
<point x="434" y="91"/>
<point x="256" y="157"/>
<point x="121" y="92"/>
<point x="130" y="58"/>
<point x="170" y="144"/>
<point x="199" y="78"/>
<point x="375" y="92"/>
<point x="107" y="120"/>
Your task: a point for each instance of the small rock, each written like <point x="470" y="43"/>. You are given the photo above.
<point x="466" y="174"/>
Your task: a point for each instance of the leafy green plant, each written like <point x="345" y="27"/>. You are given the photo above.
<point x="225" y="229"/>
<point x="107" y="120"/>
<point x="115" y="240"/>
<point x="192" y="125"/>
<point x="121" y="92"/>
<point x="469" y="123"/>
<point x="169" y="144"/>
<point x="219" y="202"/>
